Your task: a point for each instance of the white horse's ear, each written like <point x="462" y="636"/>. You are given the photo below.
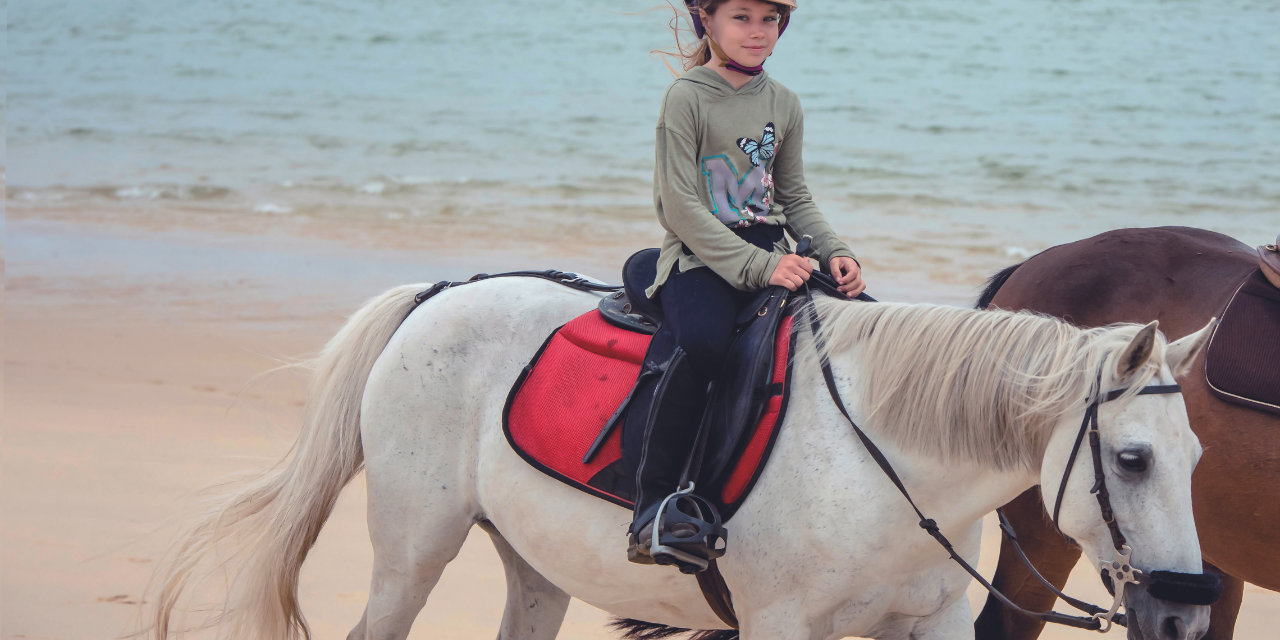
<point x="1138" y="352"/>
<point x="1183" y="351"/>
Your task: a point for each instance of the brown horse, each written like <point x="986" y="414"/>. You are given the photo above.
<point x="1181" y="277"/>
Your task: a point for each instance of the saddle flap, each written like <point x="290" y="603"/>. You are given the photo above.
<point x="1269" y="262"/>
<point x="1242" y="359"/>
<point x="744" y="385"/>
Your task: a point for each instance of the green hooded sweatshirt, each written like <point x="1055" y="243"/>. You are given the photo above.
<point x="727" y="159"/>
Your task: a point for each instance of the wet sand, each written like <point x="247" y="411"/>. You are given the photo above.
<point x="132" y="344"/>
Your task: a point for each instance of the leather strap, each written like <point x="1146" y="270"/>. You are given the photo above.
<point x="717" y="594"/>
<point x="1071" y="462"/>
<point x="729" y="63"/>
<point x="571" y="280"/>
<point x="1012" y="536"/>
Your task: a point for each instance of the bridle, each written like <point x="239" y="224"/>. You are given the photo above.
<point x="1119" y="571"/>
<point x="1170" y="586"/>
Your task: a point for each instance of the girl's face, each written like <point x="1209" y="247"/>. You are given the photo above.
<point x="745" y="29"/>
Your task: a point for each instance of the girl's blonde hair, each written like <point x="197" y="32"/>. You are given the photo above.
<point x="699" y="52"/>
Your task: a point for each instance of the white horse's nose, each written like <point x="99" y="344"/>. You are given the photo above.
<point x="1182" y="623"/>
<point x="1173" y="628"/>
<point x="1153" y="619"/>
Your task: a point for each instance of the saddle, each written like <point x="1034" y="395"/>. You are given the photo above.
<point x="1242" y="360"/>
<point x="564" y="412"/>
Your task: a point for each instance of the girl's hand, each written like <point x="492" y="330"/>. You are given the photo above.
<point x="848" y="274"/>
<point x="791" y="272"/>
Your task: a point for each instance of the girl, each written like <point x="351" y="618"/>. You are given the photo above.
<point x="728" y="180"/>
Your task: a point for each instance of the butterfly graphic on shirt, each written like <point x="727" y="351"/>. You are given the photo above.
<point x="759" y="152"/>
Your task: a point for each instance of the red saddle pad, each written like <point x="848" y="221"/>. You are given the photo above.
<point x="577" y="380"/>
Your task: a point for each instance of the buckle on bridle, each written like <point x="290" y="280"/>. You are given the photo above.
<point x="1121" y="572"/>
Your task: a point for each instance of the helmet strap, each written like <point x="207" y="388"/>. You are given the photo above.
<point x="728" y="63"/>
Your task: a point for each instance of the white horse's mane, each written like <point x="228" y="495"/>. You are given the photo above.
<point x="966" y="385"/>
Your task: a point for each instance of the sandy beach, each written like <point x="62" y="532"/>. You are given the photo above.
<point x="135" y="350"/>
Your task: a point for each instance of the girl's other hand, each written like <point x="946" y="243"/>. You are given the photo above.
<point x="848" y="274"/>
<point x="791" y="272"/>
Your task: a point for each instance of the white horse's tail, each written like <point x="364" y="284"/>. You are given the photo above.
<point x="259" y="535"/>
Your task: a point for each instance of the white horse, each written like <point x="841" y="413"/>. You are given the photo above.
<point x="971" y="408"/>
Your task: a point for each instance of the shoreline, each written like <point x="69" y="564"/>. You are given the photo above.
<point x="587" y="240"/>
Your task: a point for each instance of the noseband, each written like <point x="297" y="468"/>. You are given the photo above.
<point x="1184" y="588"/>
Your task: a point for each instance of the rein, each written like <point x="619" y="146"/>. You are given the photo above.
<point x="1165" y="585"/>
<point x="929" y="525"/>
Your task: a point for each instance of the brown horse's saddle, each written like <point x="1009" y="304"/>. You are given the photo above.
<point x="1242" y="362"/>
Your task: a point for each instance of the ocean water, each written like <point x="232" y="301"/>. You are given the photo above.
<point x="1004" y="126"/>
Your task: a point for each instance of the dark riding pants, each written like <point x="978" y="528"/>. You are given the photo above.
<point x="699" y="309"/>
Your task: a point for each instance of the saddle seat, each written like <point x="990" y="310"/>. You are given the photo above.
<point x="1242" y="360"/>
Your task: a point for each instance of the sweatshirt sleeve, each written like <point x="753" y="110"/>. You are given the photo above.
<point x="791" y="192"/>
<point x="678" y="175"/>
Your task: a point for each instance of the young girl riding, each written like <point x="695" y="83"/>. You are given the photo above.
<point x="728" y="180"/>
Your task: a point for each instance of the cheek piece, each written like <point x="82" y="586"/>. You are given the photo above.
<point x="726" y="62"/>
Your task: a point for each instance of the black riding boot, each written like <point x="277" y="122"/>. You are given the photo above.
<point x="690" y="525"/>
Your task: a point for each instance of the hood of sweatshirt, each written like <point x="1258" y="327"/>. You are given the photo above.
<point x="712" y="83"/>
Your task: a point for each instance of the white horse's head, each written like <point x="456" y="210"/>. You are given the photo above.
<point x="1147" y="452"/>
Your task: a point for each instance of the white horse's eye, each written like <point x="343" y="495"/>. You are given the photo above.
<point x="1132" y="461"/>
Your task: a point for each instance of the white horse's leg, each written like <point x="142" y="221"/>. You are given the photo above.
<point x="535" y="607"/>
<point x="418" y="471"/>
<point x="414" y="536"/>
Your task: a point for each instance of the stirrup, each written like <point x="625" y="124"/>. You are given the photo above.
<point x="683" y="534"/>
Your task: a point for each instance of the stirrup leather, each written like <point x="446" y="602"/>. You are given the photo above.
<point x="687" y="532"/>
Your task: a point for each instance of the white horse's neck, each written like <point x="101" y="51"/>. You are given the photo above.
<point x="955" y="494"/>
<point x="823" y="487"/>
